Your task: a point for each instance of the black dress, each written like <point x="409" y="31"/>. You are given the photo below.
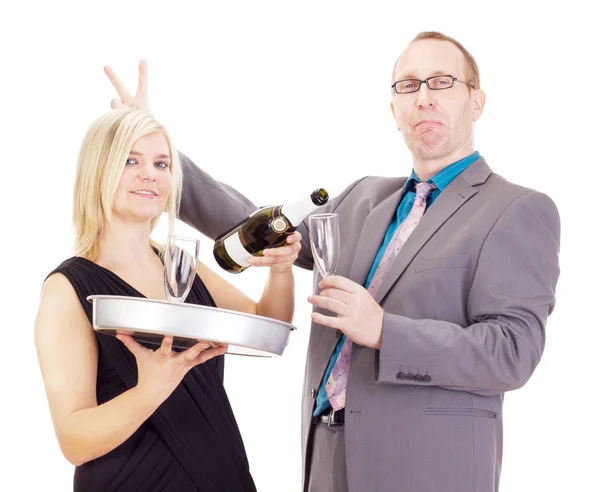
<point x="191" y="442"/>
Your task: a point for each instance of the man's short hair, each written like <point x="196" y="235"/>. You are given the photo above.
<point x="472" y="70"/>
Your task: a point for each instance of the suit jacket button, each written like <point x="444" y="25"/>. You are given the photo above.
<point x="419" y="378"/>
<point x="313" y="393"/>
<point x="426" y="378"/>
<point x="410" y="376"/>
<point x="401" y="375"/>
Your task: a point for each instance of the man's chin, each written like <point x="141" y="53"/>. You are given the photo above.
<point x="428" y="149"/>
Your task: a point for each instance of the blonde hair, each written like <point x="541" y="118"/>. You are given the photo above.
<point x="102" y="158"/>
<point x="472" y="72"/>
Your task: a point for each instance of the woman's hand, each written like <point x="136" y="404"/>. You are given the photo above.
<point x="161" y="370"/>
<point x="282" y="258"/>
<point x="125" y="99"/>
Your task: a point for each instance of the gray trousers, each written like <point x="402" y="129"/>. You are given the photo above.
<point x="327" y="472"/>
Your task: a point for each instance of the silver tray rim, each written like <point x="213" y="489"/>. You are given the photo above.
<point x="253" y="350"/>
<point x="91" y="298"/>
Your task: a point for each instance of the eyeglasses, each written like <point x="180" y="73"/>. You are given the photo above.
<point x="435" y="83"/>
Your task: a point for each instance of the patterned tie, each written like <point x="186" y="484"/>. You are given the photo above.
<point x="336" y="383"/>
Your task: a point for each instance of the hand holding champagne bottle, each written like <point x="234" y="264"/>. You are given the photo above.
<point x="266" y="228"/>
<point x="281" y="258"/>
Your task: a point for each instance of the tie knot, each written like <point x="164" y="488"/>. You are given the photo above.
<point x="424" y="189"/>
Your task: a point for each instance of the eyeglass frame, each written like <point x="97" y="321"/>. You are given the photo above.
<point x="426" y="82"/>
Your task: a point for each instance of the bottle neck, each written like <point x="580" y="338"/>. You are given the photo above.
<point x="297" y="211"/>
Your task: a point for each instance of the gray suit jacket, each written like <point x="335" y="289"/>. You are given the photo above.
<point x="466" y="303"/>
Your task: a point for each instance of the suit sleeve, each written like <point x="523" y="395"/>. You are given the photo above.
<point x="207" y="205"/>
<point x="511" y="297"/>
<point x="212" y="207"/>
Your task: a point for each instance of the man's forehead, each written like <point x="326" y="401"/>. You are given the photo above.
<point x="429" y="57"/>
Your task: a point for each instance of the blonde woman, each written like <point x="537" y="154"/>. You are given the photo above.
<point x="131" y="417"/>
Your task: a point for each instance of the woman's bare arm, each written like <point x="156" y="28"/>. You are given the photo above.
<point x="68" y="357"/>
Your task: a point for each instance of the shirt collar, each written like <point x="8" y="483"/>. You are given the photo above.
<point x="444" y="177"/>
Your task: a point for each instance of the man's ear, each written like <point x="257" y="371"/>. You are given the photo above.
<point x="478" y="98"/>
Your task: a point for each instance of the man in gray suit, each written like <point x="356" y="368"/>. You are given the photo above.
<point x="443" y="287"/>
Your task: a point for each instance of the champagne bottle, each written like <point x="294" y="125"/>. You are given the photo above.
<point x="267" y="227"/>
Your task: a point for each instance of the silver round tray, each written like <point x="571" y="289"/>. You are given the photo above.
<point x="149" y="320"/>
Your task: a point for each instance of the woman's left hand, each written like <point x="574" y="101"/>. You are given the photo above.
<point x="125" y="99"/>
<point x="282" y="258"/>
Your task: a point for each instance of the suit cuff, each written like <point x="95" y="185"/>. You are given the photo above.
<point x="391" y="365"/>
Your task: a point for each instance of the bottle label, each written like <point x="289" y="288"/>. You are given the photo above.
<point x="236" y="250"/>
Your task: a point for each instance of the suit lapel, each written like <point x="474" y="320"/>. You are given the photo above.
<point x="370" y="239"/>
<point x="372" y="234"/>
<point x="458" y="192"/>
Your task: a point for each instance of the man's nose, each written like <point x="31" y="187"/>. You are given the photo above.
<point x="425" y="97"/>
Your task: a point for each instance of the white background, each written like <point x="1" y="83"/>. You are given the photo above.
<point x="277" y="98"/>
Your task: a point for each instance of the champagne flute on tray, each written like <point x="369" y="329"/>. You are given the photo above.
<point x="180" y="262"/>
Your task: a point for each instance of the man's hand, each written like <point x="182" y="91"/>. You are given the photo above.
<point x="359" y="317"/>
<point x="125" y="99"/>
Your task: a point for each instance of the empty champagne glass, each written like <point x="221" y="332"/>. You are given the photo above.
<point x="324" y="242"/>
<point x="180" y="261"/>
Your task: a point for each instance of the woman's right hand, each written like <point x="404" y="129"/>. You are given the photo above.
<point x="161" y="370"/>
